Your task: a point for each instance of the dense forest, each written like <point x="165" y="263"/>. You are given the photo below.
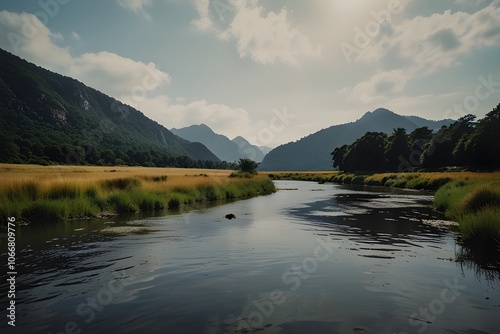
<point x="467" y="144"/>
<point x="47" y="118"/>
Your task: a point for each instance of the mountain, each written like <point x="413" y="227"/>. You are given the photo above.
<point x="265" y="149"/>
<point x="313" y="152"/>
<point x="49" y="118"/>
<point x="220" y="145"/>
<point x="248" y="150"/>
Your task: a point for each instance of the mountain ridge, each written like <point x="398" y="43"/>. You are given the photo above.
<point x="313" y="151"/>
<point x="223" y="147"/>
<point x="51" y="118"/>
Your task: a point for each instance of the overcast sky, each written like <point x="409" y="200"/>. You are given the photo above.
<point x="272" y="71"/>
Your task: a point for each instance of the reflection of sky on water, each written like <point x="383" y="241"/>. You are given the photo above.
<point x="200" y="273"/>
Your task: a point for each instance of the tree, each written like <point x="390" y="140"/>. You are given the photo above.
<point x="247" y="166"/>
<point x="398" y="147"/>
<point x="484" y="143"/>
<point x="338" y="156"/>
<point x="367" y="153"/>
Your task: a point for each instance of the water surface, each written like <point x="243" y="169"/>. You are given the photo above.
<point x="317" y="259"/>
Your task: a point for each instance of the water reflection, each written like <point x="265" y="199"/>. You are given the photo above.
<point x="197" y="272"/>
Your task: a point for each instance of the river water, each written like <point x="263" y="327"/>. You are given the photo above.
<point x="310" y="258"/>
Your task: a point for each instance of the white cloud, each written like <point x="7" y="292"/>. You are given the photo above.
<point x="425" y="45"/>
<point x="108" y="72"/>
<point x="437" y="41"/>
<point x="377" y="87"/>
<point x="203" y="23"/>
<point x="25" y="35"/>
<point x="132" y="82"/>
<point x="266" y="37"/>
<point x="136" y="6"/>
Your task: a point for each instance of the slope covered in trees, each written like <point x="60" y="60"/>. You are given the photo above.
<point x="311" y="153"/>
<point x="465" y="143"/>
<point x="48" y="118"/>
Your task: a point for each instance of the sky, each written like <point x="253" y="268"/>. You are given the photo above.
<point x="272" y="71"/>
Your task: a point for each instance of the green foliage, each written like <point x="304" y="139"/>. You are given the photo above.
<point x="50" y="119"/>
<point x="465" y="144"/>
<point x="247" y="165"/>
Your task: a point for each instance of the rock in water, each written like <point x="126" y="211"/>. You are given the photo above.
<point x="230" y="216"/>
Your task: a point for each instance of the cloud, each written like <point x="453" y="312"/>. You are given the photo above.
<point x="133" y="82"/>
<point x="265" y="37"/>
<point x="377" y="87"/>
<point x="438" y="41"/>
<point x="446" y="39"/>
<point x="24" y="34"/>
<point x="422" y="46"/>
<point x="136" y="6"/>
<point x="108" y="72"/>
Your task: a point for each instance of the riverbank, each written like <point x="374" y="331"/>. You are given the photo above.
<point x="470" y="198"/>
<point x="51" y="193"/>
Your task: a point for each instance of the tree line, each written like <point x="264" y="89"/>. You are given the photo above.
<point x="466" y="143"/>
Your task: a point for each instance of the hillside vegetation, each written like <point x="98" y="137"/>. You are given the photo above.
<point x="47" y="118"/>
<point x="465" y="144"/>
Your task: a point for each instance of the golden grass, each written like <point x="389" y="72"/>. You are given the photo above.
<point x="74" y="191"/>
<point x="50" y="176"/>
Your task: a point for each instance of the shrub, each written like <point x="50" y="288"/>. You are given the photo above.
<point x="122" y="183"/>
<point x="480" y="198"/>
<point x="174" y="203"/>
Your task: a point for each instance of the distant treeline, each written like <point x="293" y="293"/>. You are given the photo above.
<point x="47" y="151"/>
<point x="467" y="143"/>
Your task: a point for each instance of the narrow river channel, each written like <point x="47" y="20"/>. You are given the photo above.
<point x="311" y="258"/>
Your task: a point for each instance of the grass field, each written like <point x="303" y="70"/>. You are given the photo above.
<point x="41" y="193"/>
<point x="470" y="198"/>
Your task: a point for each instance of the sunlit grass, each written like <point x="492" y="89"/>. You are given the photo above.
<point x="63" y="192"/>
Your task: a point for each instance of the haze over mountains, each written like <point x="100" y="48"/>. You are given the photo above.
<point x="313" y="152"/>
<point x="49" y="118"/>
<point x="220" y="145"/>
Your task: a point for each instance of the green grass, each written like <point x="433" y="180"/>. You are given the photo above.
<point x="481" y="227"/>
<point x="475" y="205"/>
<point x="34" y="202"/>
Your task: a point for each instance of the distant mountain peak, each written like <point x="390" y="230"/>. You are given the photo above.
<point x="220" y="145"/>
<point x="379" y="112"/>
<point x="314" y="150"/>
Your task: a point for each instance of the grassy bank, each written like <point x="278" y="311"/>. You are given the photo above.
<point x="470" y="198"/>
<point x="476" y="206"/>
<point x="44" y="193"/>
<point x="320" y="177"/>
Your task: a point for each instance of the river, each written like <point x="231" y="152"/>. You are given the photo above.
<point x="311" y="258"/>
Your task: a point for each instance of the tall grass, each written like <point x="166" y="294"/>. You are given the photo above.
<point x="36" y="193"/>
<point x="476" y="207"/>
